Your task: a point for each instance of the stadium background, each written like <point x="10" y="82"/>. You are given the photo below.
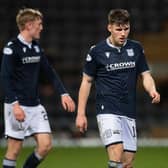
<point x="70" y="28"/>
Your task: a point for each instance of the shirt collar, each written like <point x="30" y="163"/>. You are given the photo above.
<point x="21" y="38"/>
<point x="113" y="46"/>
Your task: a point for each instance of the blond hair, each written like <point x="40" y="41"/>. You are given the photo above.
<point x="26" y="15"/>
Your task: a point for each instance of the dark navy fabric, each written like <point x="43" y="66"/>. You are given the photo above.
<point x="20" y="70"/>
<point x="115" y="71"/>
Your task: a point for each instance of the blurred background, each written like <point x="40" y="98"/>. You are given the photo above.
<point x="70" y="28"/>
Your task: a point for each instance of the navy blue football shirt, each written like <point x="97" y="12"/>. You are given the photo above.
<point x="21" y="65"/>
<point x="115" y="71"/>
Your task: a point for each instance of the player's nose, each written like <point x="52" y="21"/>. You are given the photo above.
<point x="41" y="27"/>
<point x="123" y="33"/>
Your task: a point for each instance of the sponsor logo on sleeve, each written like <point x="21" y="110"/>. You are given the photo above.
<point x="7" y="51"/>
<point x="88" y="58"/>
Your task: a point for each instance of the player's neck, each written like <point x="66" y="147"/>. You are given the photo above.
<point x="27" y="38"/>
<point x="112" y="43"/>
<point x="115" y="44"/>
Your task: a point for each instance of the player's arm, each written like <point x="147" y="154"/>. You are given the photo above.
<point x="148" y="81"/>
<point x="149" y="86"/>
<point x="81" y="119"/>
<point x="7" y="70"/>
<point x="90" y="70"/>
<point x="67" y="102"/>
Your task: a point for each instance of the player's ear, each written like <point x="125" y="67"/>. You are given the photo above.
<point x="109" y="27"/>
<point x="28" y="25"/>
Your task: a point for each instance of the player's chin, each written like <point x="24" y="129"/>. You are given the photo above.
<point x="121" y="42"/>
<point x="37" y="37"/>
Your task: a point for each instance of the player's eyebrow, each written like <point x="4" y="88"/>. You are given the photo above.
<point x="121" y="27"/>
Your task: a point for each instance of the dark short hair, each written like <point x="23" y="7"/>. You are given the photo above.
<point x="118" y="16"/>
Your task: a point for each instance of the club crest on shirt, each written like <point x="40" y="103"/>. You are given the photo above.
<point x="130" y="52"/>
<point x="37" y="49"/>
<point x="107" y="54"/>
<point x="24" y="49"/>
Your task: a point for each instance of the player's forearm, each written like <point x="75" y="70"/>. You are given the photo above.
<point x="148" y="83"/>
<point x="8" y="86"/>
<point x="53" y="76"/>
<point x="10" y="94"/>
<point x="58" y="85"/>
<point x="83" y="97"/>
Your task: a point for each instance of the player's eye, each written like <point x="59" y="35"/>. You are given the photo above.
<point x="126" y="29"/>
<point x="118" y="29"/>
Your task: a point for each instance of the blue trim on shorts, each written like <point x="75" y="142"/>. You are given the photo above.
<point x="18" y="139"/>
<point x="127" y="150"/>
<point x="37" y="133"/>
<point x="119" y="142"/>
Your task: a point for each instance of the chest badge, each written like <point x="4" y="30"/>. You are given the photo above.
<point x="130" y="52"/>
<point x="107" y="54"/>
<point x="37" y="49"/>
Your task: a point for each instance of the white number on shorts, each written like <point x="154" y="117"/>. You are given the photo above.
<point x="108" y="133"/>
<point x="44" y="115"/>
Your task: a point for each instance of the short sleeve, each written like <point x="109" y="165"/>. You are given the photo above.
<point x="142" y="65"/>
<point x="90" y="63"/>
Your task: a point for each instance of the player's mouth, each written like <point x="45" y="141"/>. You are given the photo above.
<point x="122" y="40"/>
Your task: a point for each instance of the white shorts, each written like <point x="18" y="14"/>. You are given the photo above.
<point x="36" y="121"/>
<point x="118" y="129"/>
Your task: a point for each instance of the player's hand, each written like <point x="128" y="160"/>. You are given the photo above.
<point x="67" y="103"/>
<point x="18" y="112"/>
<point x="155" y="97"/>
<point x="81" y="123"/>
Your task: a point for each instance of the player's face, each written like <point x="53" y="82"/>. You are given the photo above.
<point x="35" y="27"/>
<point x="119" y="33"/>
